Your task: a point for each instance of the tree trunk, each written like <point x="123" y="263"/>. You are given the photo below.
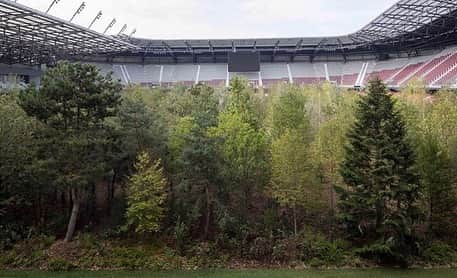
<point x="73" y="220"/>
<point x="208" y="213"/>
<point x="332" y="211"/>
<point x="430" y="215"/>
<point x="380" y="218"/>
<point x="295" y="221"/>
<point x="111" y="193"/>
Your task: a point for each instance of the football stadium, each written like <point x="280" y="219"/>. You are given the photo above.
<point x="174" y="151"/>
<point x="413" y="39"/>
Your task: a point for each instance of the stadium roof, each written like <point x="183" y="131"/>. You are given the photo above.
<point x="407" y="17"/>
<point x="404" y="26"/>
<point x="31" y="37"/>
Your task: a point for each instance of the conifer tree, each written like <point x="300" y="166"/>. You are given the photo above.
<point x="146" y="195"/>
<point x="74" y="103"/>
<point x="379" y="203"/>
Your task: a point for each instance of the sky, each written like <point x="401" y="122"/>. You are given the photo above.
<point x="223" y="19"/>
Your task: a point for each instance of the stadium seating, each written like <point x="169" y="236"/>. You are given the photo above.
<point x="273" y="74"/>
<point x="449" y="79"/>
<point x="143" y="74"/>
<point x="437" y="69"/>
<point x="441" y="69"/>
<point x="405" y="72"/>
<point x="213" y="74"/>
<point x="426" y="68"/>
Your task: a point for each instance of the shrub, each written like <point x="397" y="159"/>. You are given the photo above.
<point x="439" y="253"/>
<point x="380" y="252"/>
<point x="181" y="234"/>
<point x="393" y="251"/>
<point x="88" y="241"/>
<point x="10" y="234"/>
<point x="331" y="253"/>
<point x="319" y="251"/>
<point x="128" y="258"/>
<point x="60" y="265"/>
<point x="261" y="249"/>
<point x="285" y="250"/>
<point x="29" y="253"/>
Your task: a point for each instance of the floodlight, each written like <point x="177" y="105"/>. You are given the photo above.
<point x="122" y="29"/>
<point x="54" y="2"/>
<point x="111" y="24"/>
<point x="99" y="15"/>
<point x="78" y="11"/>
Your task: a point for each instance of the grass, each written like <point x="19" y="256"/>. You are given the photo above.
<point x="381" y="273"/>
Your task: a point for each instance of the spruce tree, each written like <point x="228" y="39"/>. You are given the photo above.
<point x="378" y="203"/>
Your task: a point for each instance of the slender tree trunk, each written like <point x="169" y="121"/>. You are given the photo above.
<point x="380" y="218"/>
<point x="430" y="215"/>
<point x="332" y="211"/>
<point x="208" y="212"/>
<point x="110" y="195"/>
<point x="73" y="219"/>
<point x="295" y="221"/>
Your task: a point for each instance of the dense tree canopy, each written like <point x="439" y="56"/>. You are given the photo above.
<point x="73" y="103"/>
<point x="316" y="174"/>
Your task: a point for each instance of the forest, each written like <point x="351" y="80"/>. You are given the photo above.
<point x="94" y="175"/>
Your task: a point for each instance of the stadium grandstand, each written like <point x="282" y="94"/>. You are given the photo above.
<point x="412" y="39"/>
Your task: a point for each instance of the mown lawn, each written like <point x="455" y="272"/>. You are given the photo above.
<point x="382" y="273"/>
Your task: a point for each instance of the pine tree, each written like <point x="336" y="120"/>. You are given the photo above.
<point x="74" y="103"/>
<point x="378" y="204"/>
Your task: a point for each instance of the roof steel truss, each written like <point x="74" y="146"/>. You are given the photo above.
<point x="32" y="37"/>
<point x="412" y="18"/>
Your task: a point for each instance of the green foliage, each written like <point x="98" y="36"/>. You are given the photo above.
<point x="317" y="250"/>
<point x="438" y="182"/>
<point x="29" y="253"/>
<point x="292" y="179"/>
<point x="140" y="124"/>
<point x="432" y="123"/>
<point x="241" y="101"/>
<point x="181" y="234"/>
<point x="381" y="252"/>
<point x="10" y="234"/>
<point x="18" y="153"/>
<point x="73" y="105"/>
<point x="60" y="265"/>
<point x="242" y="147"/>
<point x="178" y="137"/>
<point x="383" y="187"/>
<point x="440" y="253"/>
<point x="195" y="163"/>
<point x="146" y="195"/>
<point x="287" y="111"/>
<point x="238" y="168"/>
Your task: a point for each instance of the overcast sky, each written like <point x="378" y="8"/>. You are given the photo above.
<point x="213" y="19"/>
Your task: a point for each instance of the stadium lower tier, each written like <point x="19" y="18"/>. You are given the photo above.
<point x="436" y="70"/>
